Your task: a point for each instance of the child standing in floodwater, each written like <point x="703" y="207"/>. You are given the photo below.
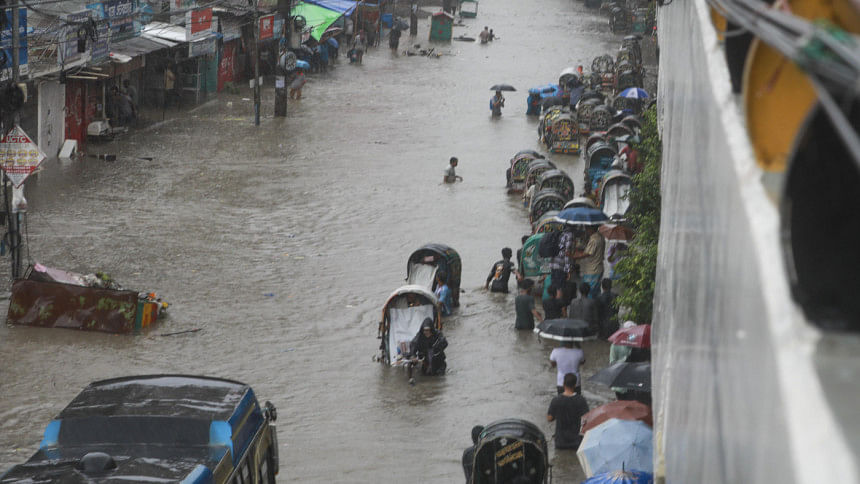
<point x="451" y="172"/>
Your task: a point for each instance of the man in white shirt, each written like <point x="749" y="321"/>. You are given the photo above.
<point x="567" y="359"/>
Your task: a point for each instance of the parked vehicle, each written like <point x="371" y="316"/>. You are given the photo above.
<point x="548" y="223"/>
<point x="426" y="261"/>
<point x="598" y="161"/>
<point x="557" y="180"/>
<point x="579" y="202"/>
<point x="620" y="20"/>
<point x="404" y="311"/>
<point x="544" y="201"/>
<point x="617" y="130"/>
<point x="468" y="8"/>
<point x="518" y="171"/>
<point x="531" y="264"/>
<point x="601" y="117"/>
<point x="594" y="138"/>
<point x="54" y="298"/>
<point x="612" y="194"/>
<point x="157" y="428"/>
<point x="584" y="109"/>
<point x="562" y="133"/>
<point x="536" y="167"/>
<point x="507" y="449"/>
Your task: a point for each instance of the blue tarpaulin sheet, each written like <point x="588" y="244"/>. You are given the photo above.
<point x="343" y="6"/>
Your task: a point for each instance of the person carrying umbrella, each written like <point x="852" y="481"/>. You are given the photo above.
<point x="394" y="38"/>
<point x="566" y="410"/>
<point x="497" y="102"/>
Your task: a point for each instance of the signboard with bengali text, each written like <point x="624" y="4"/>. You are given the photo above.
<point x="6" y="45"/>
<point x="198" y="23"/>
<point x="19" y="156"/>
<point x="267" y="27"/>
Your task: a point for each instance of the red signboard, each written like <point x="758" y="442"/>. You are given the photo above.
<point x="201" y="21"/>
<point x="226" y="67"/>
<point x="267" y="27"/>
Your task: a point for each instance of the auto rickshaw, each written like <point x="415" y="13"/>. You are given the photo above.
<point x="640" y="21"/>
<point x="598" y="161"/>
<point x="425" y="262"/>
<point x="543" y="201"/>
<point x="563" y="133"/>
<point x="507" y="449"/>
<point x="402" y="315"/>
<point x="531" y="264"/>
<point x="558" y="180"/>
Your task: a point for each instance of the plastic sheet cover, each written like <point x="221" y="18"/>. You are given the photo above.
<point x="737" y="398"/>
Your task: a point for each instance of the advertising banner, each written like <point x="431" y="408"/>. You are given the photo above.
<point x="67" y="52"/>
<point x="267" y="27"/>
<point x="6" y="45"/>
<point x="202" y="47"/>
<point x="198" y="23"/>
<point x="120" y="17"/>
<point x="19" y="156"/>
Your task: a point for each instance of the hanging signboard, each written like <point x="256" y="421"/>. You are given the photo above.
<point x="6" y="45"/>
<point x="68" y="52"/>
<point x="120" y="17"/>
<point x="198" y="23"/>
<point x="267" y="27"/>
<point x="19" y="156"/>
<point x="101" y="47"/>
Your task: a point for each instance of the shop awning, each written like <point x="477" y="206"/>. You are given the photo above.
<point x="318" y="18"/>
<point x="136" y="46"/>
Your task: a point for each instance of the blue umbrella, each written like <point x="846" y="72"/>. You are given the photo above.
<point x="634" y="93"/>
<point x="621" y="477"/>
<point x="300" y="64"/>
<point x="582" y="216"/>
<point x="617" y="444"/>
<point x="332" y="42"/>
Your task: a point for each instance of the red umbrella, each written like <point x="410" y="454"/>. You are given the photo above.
<point x="638" y="336"/>
<point x="621" y="409"/>
<point x="616" y="232"/>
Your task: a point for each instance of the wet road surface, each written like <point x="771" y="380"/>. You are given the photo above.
<point x="321" y="210"/>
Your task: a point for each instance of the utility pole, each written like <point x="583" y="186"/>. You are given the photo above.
<point x="256" y="63"/>
<point x="284" y="8"/>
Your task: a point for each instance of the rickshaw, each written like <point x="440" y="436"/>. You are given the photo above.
<point x="633" y="122"/>
<point x="592" y="94"/>
<point x="613" y="194"/>
<point x="594" y="138"/>
<point x="402" y="315"/>
<point x="544" y="201"/>
<point x="626" y="105"/>
<point x="548" y="223"/>
<point x="617" y="130"/>
<point x="507" y="449"/>
<point x="631" y="43"/>
<point x="630" y="53"/>
<point x="601" y="117"/>
<point x="519" y="168"/>
<point x="425" y="262"/>
<point x="603" y="63"/>
<point x="546" y="122"/>
<point x="580" y="202"/>
<point x="626" y="79"/>
<point x="584" y="109"/>
<point x="558" y="180"/>
<point x="598" y="161"/>
<point x="569" y="78"/>
<point x="536" y="167"/>
<point x="619" y="20"/>
<point x="531" y="264"/>
<point x="538" y="94"/>
<point x="563" y="133"/>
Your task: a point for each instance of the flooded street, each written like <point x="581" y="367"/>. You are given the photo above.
<point x="282" y="242"/>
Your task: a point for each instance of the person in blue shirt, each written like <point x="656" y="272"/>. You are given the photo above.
<point x="443" y="293"/>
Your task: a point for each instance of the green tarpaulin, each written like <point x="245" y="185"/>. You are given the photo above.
<point x="318" y="18"/>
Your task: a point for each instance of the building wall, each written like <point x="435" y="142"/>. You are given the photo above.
<point x="737" y="395"/>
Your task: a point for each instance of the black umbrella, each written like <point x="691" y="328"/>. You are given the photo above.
<point x="502" y="87"/>
<point x="565" y="330"/>
<point x="400" y="24"/>
<point x="635" y="376"/>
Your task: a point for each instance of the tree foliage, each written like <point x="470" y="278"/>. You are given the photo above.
<point x="638" y="270"/>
